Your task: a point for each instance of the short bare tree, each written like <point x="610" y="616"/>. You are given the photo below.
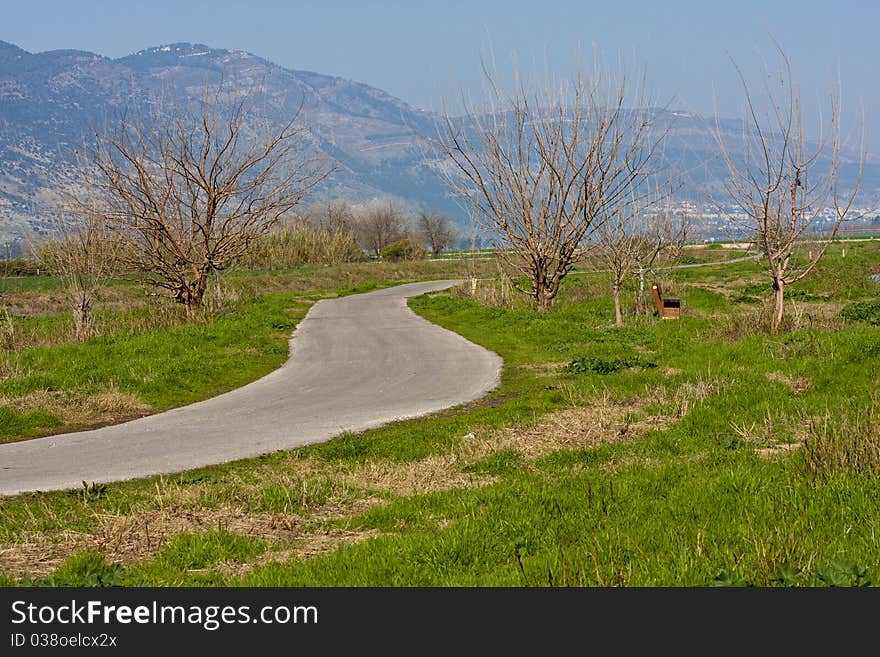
<point x="786" y="190"/>
<point x="83" y="254"/>
<point x="436" y="229"/>
<point x="631" y="244"/>
<point x="542" y="168"/>
<point x="188" y="197"/>
<point x="380" y="223"/>
<point x="337" y="217"/>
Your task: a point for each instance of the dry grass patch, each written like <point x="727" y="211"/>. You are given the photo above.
<point x="577" y="428"/>
<point x="435" y="473"/>
<point x="544" y="369"/>
<point x="689" y="394"/>
<point x="314" y="544"/>
<point x="778" y="451"/>
<point x="797" y="384"/>
<point x="108" y="406"/>
<point x="137" y="537"/>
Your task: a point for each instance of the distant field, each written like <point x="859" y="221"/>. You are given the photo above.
<point x="699" y="451"/>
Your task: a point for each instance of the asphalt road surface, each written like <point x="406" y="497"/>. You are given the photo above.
<point x="355" y="362"/>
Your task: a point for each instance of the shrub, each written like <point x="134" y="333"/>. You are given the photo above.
<point x="606" y="365"/>
<point x="689" y="260"/>
<point x="405" y="249"/>
<point x="863" y="311"/>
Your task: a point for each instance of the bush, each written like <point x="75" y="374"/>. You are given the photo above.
<point x="405" y="249"/>
<point x="689" y="260"/>
<point x="606" y="365"/>
<point x="863" y="311"/>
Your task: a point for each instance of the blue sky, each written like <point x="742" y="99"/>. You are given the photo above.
<point x="425" y="52"/>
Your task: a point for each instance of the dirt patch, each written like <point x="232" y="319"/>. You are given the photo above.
<point x="544" y="369"/>
<point x="485" y="402"/>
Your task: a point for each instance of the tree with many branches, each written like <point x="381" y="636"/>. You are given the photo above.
<point x="83" y="254"/>
<point x="381" y="223"/>
<point x="542" y="168"/>
<point x="188" y="197"/>
<point x="786" y="190"/>
<point x="436" y="229"/>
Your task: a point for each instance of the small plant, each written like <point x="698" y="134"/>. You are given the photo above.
<point x="202" y="478"/>
<point x="839" y="573"/>
<point x="88" y="569"/>
<point x="727" y="578"/>
<point x="91" y="492"/>
<point x="592" y="364"/>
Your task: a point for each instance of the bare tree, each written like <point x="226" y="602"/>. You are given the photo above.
<point x="436" y="229"/>
<point x="631" y="243"/>
<point x="83" y="254"/>
<point x="381" y="222"/>
<point x="542" y="169"/>
<point x="333" y="216"/>
<point x="786" y="190"/>
<point x="187" y="198"/>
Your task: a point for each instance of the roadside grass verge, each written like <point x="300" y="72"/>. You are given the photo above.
<point x="124" y="375"/>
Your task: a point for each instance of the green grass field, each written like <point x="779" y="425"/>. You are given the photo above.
<point x="693" y="452"/>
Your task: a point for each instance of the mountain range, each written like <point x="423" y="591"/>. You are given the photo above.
<point x="50" y="102"/>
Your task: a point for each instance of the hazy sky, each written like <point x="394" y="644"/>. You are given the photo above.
<point x="424" y="52"/>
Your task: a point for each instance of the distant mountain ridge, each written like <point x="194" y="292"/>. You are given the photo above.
<point x="51" y="101"/>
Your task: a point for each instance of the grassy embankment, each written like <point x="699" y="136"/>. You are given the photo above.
<point x="686" y="452"/>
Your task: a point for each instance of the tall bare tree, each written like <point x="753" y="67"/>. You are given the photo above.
<point x="380" y="223"/>
<point x="631" y="243"/>
<point x="436" y="229"/>
<point x="542" y="168"/>
<point x="785" y="189"/>
<point x="188" y="197"/>
<point x="83" y="253"/>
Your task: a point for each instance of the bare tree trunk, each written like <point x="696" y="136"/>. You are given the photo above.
<point x="618" y="315"/>
<point x="778" y="304"/>
<point x="542" y="297"/>
<point x="83" y="320"/>
<point x="192" y="293"/>
<point x="640" y="295"/>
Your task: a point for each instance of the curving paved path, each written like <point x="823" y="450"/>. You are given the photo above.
<point x="355" y="362"/>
